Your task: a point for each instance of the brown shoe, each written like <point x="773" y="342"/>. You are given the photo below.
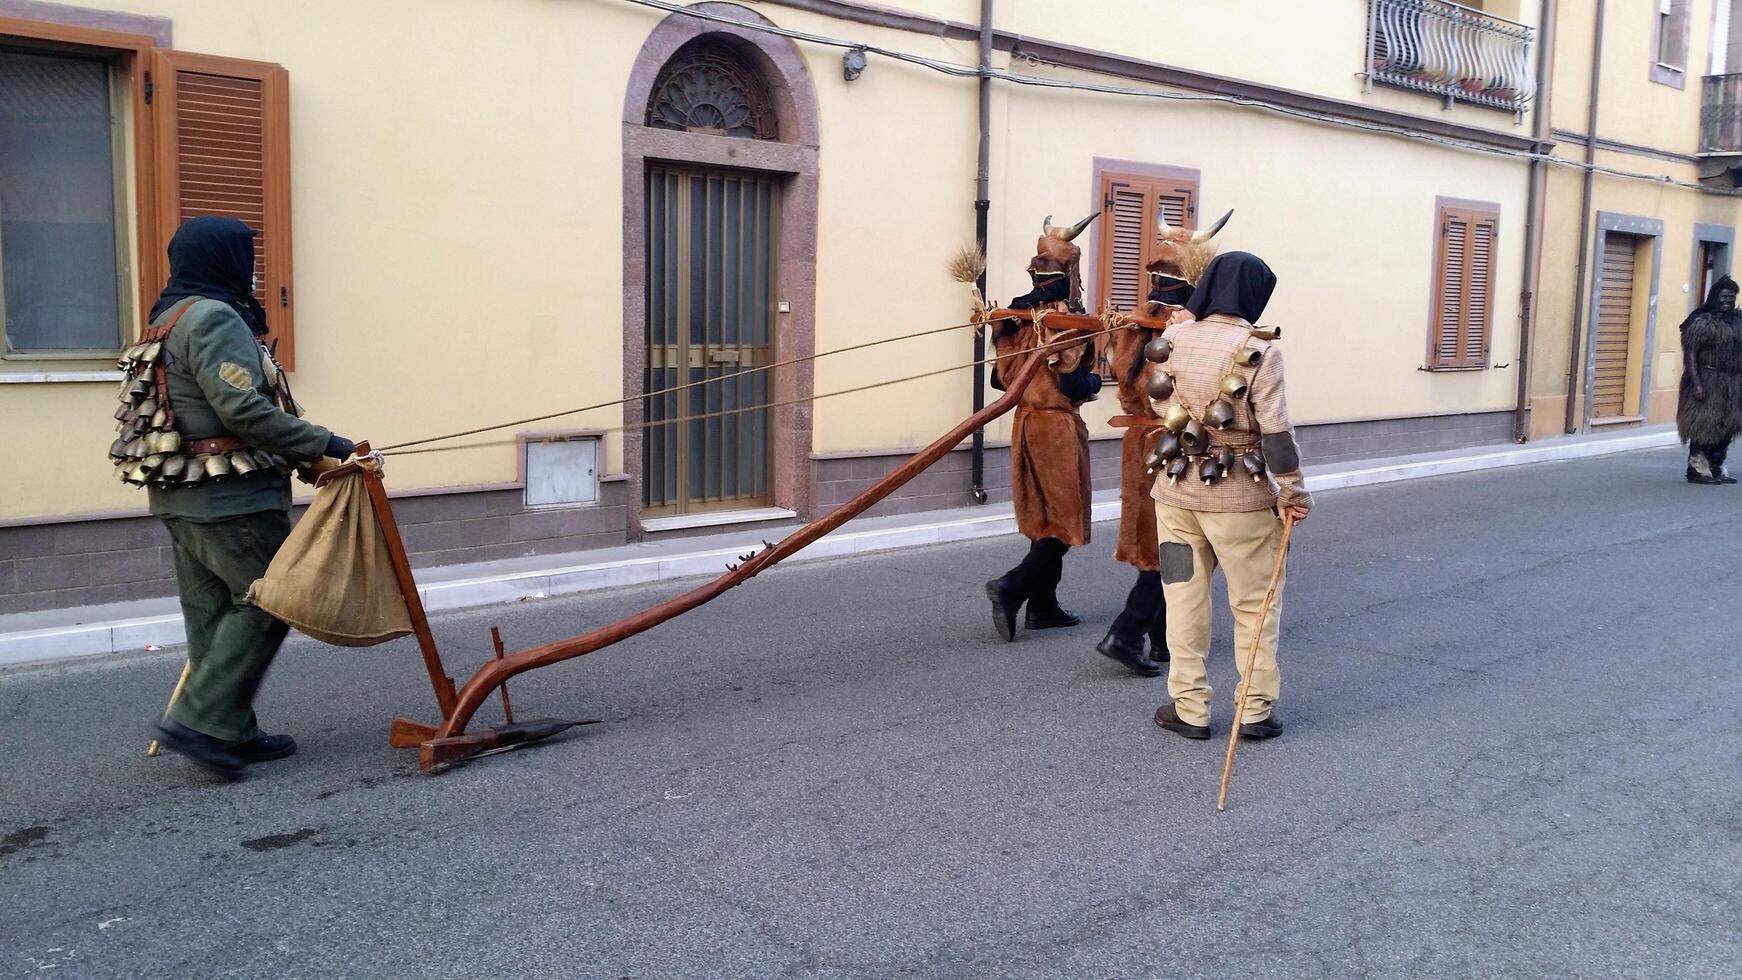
<point x="1167" y="717"/>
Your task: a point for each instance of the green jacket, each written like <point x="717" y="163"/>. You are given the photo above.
<point x="217" y="387"/>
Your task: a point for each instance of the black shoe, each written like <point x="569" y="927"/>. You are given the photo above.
<point x="1057" y="617"/>
<point x="1129" y="654"/>
<point x="201" y="749"/>
<point x="1709" y="481"/>
<point x="1268" y="728"/>
<point x="264" y="748"/>
<point x="1168" y="717"/>
<point x="1726" y="478"/>
<point x="1006" y="599"/>
<point x="1158" y="652"/>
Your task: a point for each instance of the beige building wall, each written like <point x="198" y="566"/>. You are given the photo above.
<point x="1649" y="130"/>
<point x="457" y="193"/>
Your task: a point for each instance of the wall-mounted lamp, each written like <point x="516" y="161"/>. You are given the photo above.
<point x="853" y="63"/>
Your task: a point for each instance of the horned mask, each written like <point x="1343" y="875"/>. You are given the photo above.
<point x="1055" y="255"/>
<point x="1183" y="254"/>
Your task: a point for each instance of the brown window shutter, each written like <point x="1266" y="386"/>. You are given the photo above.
<point x="1449" y="298"/>
<point x="223" y="145"/>
<point x="1132" y="202"/>
<point x="1126" y="250"/>
<point x="1479" y="311"/>
<point x="1463" y="300"/>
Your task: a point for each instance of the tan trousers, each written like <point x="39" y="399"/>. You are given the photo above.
<point x="1245" y="547"/>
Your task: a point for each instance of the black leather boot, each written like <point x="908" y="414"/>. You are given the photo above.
<point x="1007" y="594"/>
<point x="199" y="748"/>
<point x="1129" y="654"/>
<point x="1044" y="611"/>
<point x="1009" y="591"/>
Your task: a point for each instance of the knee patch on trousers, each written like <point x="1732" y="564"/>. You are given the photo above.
<point x="1176" y="563"/>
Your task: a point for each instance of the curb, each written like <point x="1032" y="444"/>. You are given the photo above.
<point x="129" y="635"/>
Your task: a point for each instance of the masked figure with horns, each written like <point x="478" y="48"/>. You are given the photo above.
<point x="1180" y="259"/>
<point x="1049" y="444"/>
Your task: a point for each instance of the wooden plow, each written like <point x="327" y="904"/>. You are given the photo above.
<point x="450" y="742"/>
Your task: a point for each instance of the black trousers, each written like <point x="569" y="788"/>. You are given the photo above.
<point x="1145" y="612"/>
<point x="1039" y="573"/>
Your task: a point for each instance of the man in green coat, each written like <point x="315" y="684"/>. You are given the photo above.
<point x="223" y="411"/>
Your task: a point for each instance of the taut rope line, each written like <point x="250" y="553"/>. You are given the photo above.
<point x="1079" y="338"/>
<point x="673" y="390"/>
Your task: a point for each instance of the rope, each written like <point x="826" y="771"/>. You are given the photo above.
<point x="638" y="426"/>
<point x="397" y="447"/>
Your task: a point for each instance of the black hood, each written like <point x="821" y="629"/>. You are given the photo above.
<point x="213" y="258"/>
<point x="1236" y="283"/>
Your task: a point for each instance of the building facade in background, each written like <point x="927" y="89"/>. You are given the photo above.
<point x="474" y="213"/>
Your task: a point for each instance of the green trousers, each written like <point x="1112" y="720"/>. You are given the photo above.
<point x="231" y="643"/>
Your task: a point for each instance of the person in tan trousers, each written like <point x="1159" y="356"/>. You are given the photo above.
<point x="1233" y="471"/>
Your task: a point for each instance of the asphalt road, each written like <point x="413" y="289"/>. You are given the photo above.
<point x="1512" y="749"/>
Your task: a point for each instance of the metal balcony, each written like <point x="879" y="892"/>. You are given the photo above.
<point x="1450" y="50"/>
<point x="1721" y="114"/>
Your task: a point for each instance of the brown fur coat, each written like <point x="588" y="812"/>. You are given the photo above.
<point x="1137" y="534"/>
<point x="1049" y="446"/>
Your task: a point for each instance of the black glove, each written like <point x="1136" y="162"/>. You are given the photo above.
<point x="1082" y="384"/>
<point x="339" y="447"/>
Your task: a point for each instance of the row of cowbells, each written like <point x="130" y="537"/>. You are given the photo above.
<point x="167" y="469"/>
<point x="148" y="449"/>
<point x="1185" y="440"/>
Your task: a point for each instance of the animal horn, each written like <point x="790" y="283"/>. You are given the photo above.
<point x="1210" y="232"/>
<point x="1077" y="229"/>
<point x="1046" y="225"/>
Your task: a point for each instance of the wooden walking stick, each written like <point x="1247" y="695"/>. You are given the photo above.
<point x="1252" y="655"/>
<point x="186" y="668"/>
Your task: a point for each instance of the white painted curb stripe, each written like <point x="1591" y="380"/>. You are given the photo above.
<point x="135" y="634"/>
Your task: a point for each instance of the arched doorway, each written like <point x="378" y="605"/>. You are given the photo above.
<point x="719" y="231"/>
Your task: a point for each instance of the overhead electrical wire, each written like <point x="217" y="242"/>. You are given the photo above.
<point x="1036" y="81"/>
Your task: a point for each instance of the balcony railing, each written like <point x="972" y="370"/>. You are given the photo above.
<point x="1721" y="114"/>
<point x="1450" y="50"/>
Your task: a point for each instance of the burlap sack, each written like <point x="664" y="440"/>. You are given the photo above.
<point x="333" y="579"/>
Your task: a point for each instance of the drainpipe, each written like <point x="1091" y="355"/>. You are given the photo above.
<point x="1575" y="341"/>
<point x="1533" y="219"/>
<point x="982" y="204"/>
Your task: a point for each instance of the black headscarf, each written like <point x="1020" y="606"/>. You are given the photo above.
<point x="213" y="258"/>
<point x="1236" y="283"/>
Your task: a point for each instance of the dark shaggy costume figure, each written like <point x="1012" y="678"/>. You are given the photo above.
<point x="1709" y="405"/>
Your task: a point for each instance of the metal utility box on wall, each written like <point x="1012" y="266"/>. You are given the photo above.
<point x="562" y="471"/>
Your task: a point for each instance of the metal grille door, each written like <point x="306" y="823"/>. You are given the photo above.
<point x="711" y="242"/>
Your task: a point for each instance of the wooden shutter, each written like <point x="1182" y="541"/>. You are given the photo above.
<point x="1614" y="327"/>
<point x="1463" y="300"/>
<point x="1130" y="203"/>
<point x="223" y="139"/>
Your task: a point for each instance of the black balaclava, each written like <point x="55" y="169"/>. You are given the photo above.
<point x="213" y="258"/>
<point x="1236" y="283"/>
<point x="1052" y="289"/>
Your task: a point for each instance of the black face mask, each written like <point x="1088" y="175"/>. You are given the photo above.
<point x="1053" y="289"/>
<point x="1173" y="292"/>
<point x="1726" y="302"/>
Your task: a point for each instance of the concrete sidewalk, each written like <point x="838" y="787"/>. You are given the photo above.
<point x="129" y="627"/>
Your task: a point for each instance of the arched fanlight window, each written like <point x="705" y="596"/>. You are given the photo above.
<point x="707" y="87"/>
